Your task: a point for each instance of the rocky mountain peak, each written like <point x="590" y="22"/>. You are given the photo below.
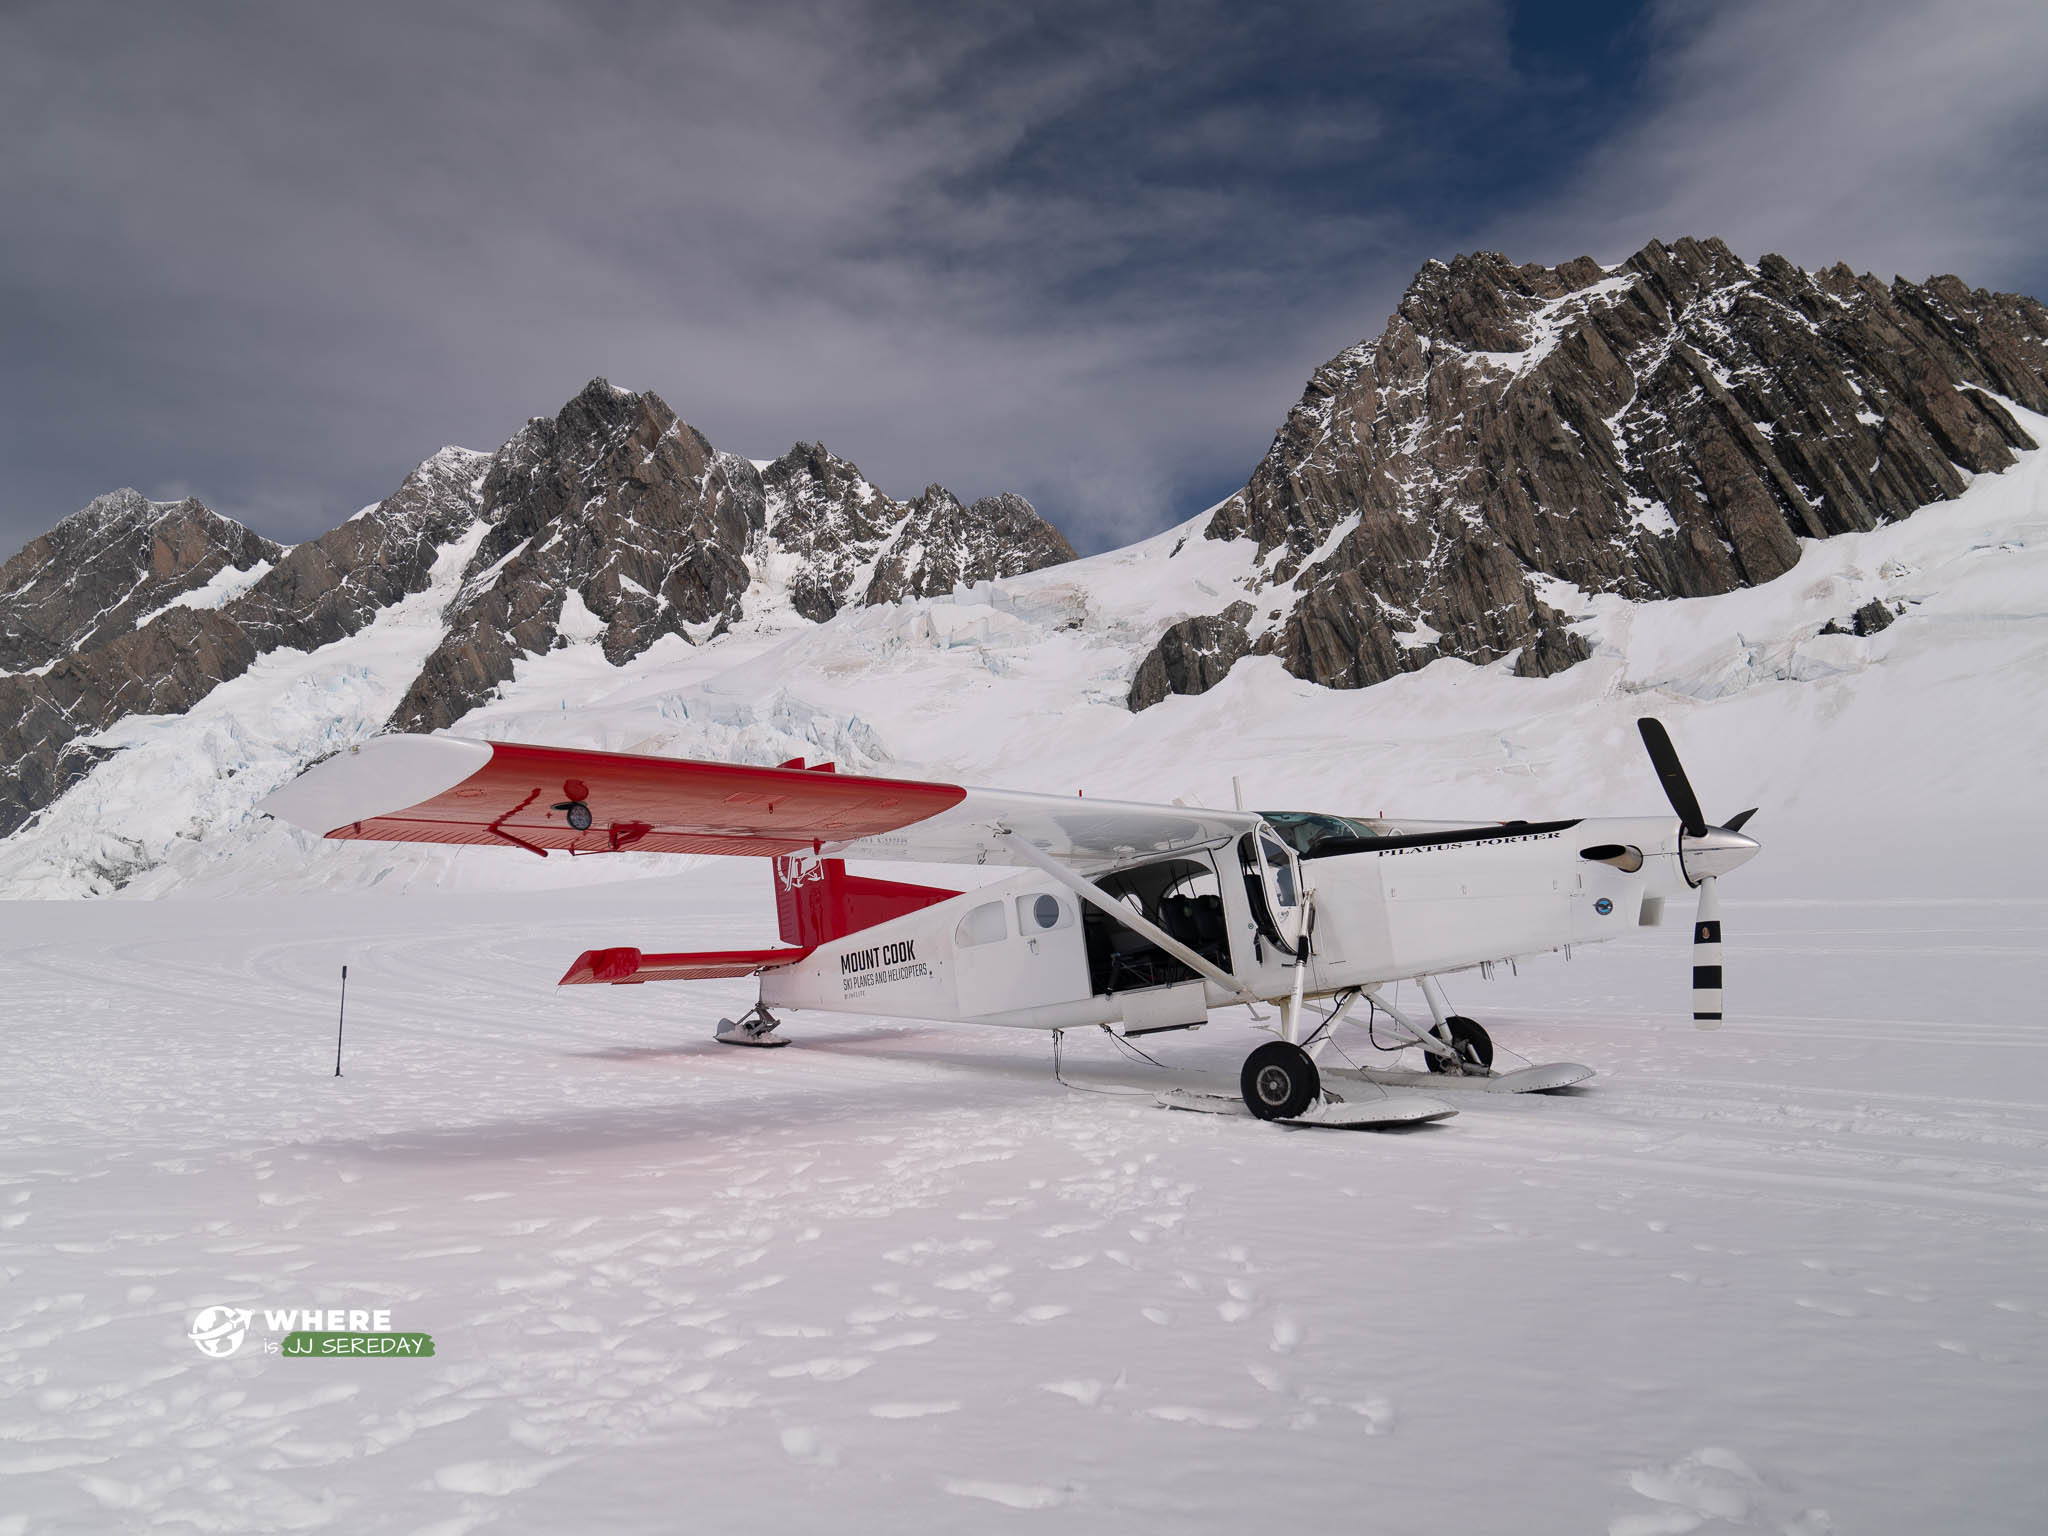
<point x="1485" y="303"/>
<point x="1671" y="427"/>
<point x="615" y="507"/>
<point x="854" y="545"/>
<point x="612" y="522"/>
<point x="109" y="566"/>
<point x="617" y="520"/>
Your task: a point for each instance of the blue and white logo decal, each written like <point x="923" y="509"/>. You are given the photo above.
<point x="1603" y="906"/>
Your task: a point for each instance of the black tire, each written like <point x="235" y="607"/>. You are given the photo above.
<point x="1279" y="1081"/>
<point x="1473" y="1045"/>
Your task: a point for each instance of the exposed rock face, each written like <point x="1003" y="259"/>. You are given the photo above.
<point x="1864" y="622"/>
<point x="305" y="597"/>
<point x="855" y="545"/>
<point x="614" y="512"/>
<point x="72" y="606"/>
<point x="1670" y="428"/>
<point x="98" y="573"/>
<point x="1193" y="656"/>
<point x="332" y="586"/>
<point x="942" y="545"/>
<point x="612" y="521"/>
<point x="617" y="518"/>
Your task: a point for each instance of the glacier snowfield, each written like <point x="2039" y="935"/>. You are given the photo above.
<point x="1785" y="1277"/>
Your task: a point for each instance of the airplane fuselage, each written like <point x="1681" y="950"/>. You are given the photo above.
<point x="1028" y="952"/>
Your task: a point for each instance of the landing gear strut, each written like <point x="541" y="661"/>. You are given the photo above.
<point x="1279" y="1081"/>
<point x="1473" y="1045"/>
<point x="754" y="1027"/>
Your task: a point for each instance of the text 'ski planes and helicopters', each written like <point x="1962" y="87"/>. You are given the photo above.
<point x="1128" y="917"/>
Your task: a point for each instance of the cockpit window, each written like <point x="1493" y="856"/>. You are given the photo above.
<point x="1282" y="864"/>
<point x="1304" y="831"/>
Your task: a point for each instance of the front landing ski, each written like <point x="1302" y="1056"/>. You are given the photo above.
<point x="1336" y="1113"/>
<point x="1544" y="1078"/>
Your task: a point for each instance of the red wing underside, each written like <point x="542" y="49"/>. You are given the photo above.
<point x="626" y="967"/>
<point x="651" y="805"/>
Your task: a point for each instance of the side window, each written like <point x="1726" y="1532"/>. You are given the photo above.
<point x="983" y="925"/>
<point x="1041" y="913"/>
<point x="1281" y="862"/>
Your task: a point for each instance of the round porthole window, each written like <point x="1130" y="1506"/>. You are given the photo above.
<point x="1045" y="911"/>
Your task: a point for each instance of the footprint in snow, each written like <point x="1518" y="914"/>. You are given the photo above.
<point x="827" y="1369"/>
<point x="1087" y="1392"/>
<point x="803" y="1444"/>
<point x="912" y="1410"/>
<point x="1286" y="1334"/>
<point x="1174" y="1413"/>
<point x="497" y="1478"/>
<point x="1011" y="1495"/>
<point x="1716" y="1484"/>
<point x="1831" y="1308"/>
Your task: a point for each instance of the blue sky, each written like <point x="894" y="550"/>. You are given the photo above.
<point x="273" y="256"/>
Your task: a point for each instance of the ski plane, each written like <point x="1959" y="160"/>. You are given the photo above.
<point x="1129" y="917"/>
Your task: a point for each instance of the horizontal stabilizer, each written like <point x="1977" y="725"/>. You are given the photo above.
<point x="629" y="967"/>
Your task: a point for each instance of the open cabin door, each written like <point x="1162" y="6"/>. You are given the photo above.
<point x="1156" y="990"/>
<point x="1272" y="879"/>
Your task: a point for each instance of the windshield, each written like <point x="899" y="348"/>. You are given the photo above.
<point x="1303" y="830"/>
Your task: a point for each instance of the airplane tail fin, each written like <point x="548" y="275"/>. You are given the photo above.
<point x="817" y="901"/>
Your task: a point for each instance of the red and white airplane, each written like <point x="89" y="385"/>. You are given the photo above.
<point x="1130" y="917"/>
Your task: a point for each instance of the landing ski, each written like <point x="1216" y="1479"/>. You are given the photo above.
<point x="1336" y="1113"/>
<point x="1546" y="1077"/>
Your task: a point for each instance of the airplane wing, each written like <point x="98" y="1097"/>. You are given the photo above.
<point x="445" y="789"/>
<point x="1087" y="834"/>
<point x="442" y="789"/>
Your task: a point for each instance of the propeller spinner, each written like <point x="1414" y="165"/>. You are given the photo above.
<point x="1705" y="853"/>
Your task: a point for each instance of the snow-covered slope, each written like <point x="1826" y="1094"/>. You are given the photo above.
<point x="1908" y="755"/>
<point x="1781" y="1280"/>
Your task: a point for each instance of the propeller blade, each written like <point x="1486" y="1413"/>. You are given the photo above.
<point x="1706" y="957"/>
<point x="1671" y="774"/>
<point x="1735" y="823"/>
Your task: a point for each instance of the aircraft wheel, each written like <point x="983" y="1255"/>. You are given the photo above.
<point x="1279" y="1081"/>
<point x="1473" y="1045"/>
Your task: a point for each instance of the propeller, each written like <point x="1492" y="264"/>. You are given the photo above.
<point x="1705" y="853"/>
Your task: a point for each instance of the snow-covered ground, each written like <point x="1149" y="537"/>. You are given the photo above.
<point x="1782" y="1278"/>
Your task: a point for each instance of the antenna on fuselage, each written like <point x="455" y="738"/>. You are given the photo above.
<point x="1237" y="790"/>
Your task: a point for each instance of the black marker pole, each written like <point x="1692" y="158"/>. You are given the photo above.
<point x="338" y="1021"/>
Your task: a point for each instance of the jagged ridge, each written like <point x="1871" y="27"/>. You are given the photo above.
<point x="614" y="513"/>
<point x="1669" y="428"/>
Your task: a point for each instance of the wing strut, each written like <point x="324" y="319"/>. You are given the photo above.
<point x="1121" y="912"/>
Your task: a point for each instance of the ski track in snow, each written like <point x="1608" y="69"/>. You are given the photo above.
<point x="1783" y="1277"/>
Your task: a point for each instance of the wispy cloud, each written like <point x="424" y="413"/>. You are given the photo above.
<point x="1902" y="136"/>
<point x="1085" y="252"/>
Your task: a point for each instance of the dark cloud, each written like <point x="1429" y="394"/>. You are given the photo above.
<point x="1901" y="136"/>
<point x="274" y="255"/>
